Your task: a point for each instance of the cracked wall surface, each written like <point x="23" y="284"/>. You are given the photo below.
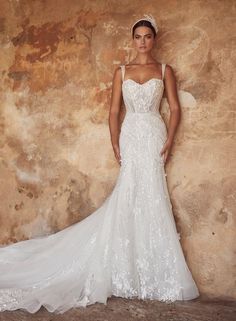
<point x="56" y="161"/>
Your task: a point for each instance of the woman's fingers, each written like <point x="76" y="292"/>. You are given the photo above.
<point x="165" y="155"/>
<point x="117" y="154"/>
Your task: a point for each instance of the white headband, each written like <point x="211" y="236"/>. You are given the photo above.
<point x="149" y="18"/>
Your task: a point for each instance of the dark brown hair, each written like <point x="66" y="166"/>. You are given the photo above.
<point x="144" y="23"/>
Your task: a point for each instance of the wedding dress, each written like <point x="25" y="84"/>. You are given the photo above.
<point x="129" y="247"/>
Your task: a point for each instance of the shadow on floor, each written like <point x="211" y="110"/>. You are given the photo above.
<point x="119" y="309"/>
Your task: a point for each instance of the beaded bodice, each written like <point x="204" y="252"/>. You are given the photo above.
<point x="142" y="98"/>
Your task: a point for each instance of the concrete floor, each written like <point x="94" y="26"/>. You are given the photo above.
<point x="118" y="309"/>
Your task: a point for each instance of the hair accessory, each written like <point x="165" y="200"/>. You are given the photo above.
<point x="149" y="18"/>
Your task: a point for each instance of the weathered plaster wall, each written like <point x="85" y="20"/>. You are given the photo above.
<point x="56" y="164"/>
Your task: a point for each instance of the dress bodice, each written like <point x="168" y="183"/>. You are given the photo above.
<point x="142" y="98"/>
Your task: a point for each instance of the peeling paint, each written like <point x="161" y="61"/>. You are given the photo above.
<point x="57" y="164"/>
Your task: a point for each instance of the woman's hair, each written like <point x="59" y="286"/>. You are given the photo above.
<point x="143" y="23"/>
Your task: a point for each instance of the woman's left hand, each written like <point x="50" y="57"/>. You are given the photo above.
<point x="166" y="150"/>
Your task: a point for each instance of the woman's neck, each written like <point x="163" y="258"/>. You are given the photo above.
<point x="144" y="59"/>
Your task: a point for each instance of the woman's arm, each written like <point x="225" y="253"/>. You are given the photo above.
<point x="175" y="111"/>
<point x="115" y="107"/>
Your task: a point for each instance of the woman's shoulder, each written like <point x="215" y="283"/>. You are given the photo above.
<point x="117" y="71"/>
<point x="169" y="72"/>
<point x="168" y="68"/>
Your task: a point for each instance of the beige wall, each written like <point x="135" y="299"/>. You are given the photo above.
<point x="57" y="166"/>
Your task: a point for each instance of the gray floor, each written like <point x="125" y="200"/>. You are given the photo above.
<point x="118" y="309"/>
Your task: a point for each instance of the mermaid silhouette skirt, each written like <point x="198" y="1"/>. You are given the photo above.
<point x="129" y="247"/>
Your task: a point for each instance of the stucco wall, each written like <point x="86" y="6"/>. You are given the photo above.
<point x="57" y="166"/>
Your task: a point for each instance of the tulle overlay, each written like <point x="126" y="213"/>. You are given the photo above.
<point x="128" y="247"/>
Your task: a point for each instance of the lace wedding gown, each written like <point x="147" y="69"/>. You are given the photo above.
<point x="129" y="247"/>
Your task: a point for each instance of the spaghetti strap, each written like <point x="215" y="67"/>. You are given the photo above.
<point x="163" y="67"/>
<point x="123" y="71"/>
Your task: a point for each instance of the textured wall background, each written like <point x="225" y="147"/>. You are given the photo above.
<point x="57" y="60"/>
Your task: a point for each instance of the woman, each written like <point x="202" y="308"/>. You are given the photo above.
<point x="144" y="66"/>
<point x="128" y="247"/>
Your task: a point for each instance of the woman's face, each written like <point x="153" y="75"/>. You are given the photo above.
<point x="143" y="39"/>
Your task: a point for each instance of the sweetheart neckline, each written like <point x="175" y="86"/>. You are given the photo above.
<point x="144" y="82"/>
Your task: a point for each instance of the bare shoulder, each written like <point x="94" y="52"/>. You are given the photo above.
<point x="130" y="66"/>
<point x="169" y="72"/>
<point x="117" y="71"/>
<point x="117" y="74"/>
<point x="169" y="68"/>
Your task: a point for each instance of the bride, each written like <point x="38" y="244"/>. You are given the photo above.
<point x="129" y="247"/>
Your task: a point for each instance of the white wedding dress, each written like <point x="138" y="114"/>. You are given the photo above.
<point x="129" y="247"/>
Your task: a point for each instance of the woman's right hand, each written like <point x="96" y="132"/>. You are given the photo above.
<point x="116" y="150"/>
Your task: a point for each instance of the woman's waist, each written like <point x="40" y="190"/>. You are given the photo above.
<point x="143" y="115"/>
<point x="145" y="120"/>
